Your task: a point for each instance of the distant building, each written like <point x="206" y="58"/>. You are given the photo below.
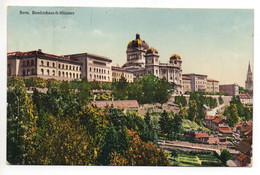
<point x="43" y="65"/>
<point x="198" y="136"/>
<point x="143" y="60"/>
<point x="118" y="72"/>
<point x="198" y="82"/>
<point x="249" y="79"/>
<point x="94" y="67"/>
<point x="186" y="84"/>
<point x="225" y="131"/>
<point x="230" y="89"/>
<point x="69" y="67"/>
<point x="246" y="99"/>
<point x="212" y="85"/>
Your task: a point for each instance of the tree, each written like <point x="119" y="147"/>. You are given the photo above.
<point x="232" y="115"/>
<point x="248" y="113"/>
<point x="164" y="122"/>
<point x="21" y="125"/>
<point x="220" y="99"/>
<point x="180" y="100"/>
<point x="193" y="110"/>
<point x="147" y="118"/>
<point x="140" y="154"/>
<point x="224" y="156"/>
<point x="65" y="143"/>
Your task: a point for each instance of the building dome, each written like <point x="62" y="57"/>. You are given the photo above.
<point x="175" y="56"/>
<point x="152" y="50"/>
<point x="137" y="43"/>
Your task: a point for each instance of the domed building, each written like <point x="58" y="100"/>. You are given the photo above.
<point x="142" y="59"/>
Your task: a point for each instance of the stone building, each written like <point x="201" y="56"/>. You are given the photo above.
<point x="143" y="60"/>
<point x="230" y="89"/>
<point x="198" y="82"/>
<point x="249" y="79"/>
<point x="212" y="85"/>
<point x="118" y="72"/>
<point x="69" y="67"/>
<point x="94" y="67"/>
<point x="186" y="84"/>
<point x="43" y="65"/>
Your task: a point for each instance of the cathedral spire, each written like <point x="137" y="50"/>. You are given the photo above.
<point x="249" y="79"/>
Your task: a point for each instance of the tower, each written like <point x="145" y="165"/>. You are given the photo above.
<point x="249" y="79"/>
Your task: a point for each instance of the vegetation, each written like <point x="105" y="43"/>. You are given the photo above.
<point x="59" y="127"/>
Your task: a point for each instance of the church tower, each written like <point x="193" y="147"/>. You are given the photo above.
<point x="249" y="79"/>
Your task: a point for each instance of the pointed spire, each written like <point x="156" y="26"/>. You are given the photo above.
<point x="249" y="68"/>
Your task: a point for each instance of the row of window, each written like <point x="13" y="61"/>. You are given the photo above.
<point x="99" y="77"/>
<point x="62" y="74"/>
<point x="116" y="74"/>
<point x="28" y="72"/>
<point x="28" y="63"/>
<point x="62" y="66"/>
<point x="98" y="70"/>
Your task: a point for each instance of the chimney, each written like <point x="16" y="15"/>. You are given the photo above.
<point x="137" y="36"/>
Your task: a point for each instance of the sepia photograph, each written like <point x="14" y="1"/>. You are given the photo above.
<point x="107" y="86"/>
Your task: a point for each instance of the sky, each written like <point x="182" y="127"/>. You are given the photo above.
<point x="218" y="43"/>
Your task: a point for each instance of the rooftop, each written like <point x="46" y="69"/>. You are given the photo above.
<point x="209" y="117"/>
<point x="193" y="74"/>
<point x="212" y="80"/>
<point x="117" y="104"/>
<point x="217" y="120"/>
<point x="186" y="78"/>
<point x="241" y="157"/>
<point x="225" y="130"/>
<point x="246" y="96"/>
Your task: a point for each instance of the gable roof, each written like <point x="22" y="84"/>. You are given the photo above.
<point x="217" y="120"/>
<point x="201" y="135"/>
<point x="241" y="157"/>
<point x="225" y="130"/>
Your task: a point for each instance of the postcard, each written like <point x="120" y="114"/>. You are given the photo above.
<point x="129" y="86"/>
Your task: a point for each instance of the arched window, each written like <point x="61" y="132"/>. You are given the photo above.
<point x="73" y="75"/>
<point x="23" y="72"/>
<point x="79" y="68"/>
<point x="89" y="76"/>
<point x="90" y="69"/>
<point x="59" y="73"/>
<point x="42" y="63"/>
<point x="53" y="72"/>
<point x="59" y="66"/>
<point x="67" y="74"/>
<point x="48" y="71"/>
<point x="63" y="74"/>
<point x="48" y="63"/>
<point x="62" y="66"/>
<point x="28" y="63"/>
<point x="70" y="67"/>
<point x="73" y="67"/>
<point x="53" y="64"/>
<point x="94" y="69"/>
<point x="32" y="62"/>
<point x="42" y="71"/>
<point x="70" y="75"/>
<point x="77" y="76"/>
<point x="66" y="66"/>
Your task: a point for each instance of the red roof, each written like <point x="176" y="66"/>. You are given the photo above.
<point x="226" y="130"/>
<point x="186" y="78"/>
<point x="241" y="157"/>
<point x="212" y="80"/>
<point x="248" y="132"/>
<point x="217" y="120"/>
<point x="246" y="96"/>
<point x="39" y="52"/>
<point x="209" y="117"/>
<point x="201" y="134"/>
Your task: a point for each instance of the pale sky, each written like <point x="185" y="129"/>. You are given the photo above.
<point x="218" y="43"/>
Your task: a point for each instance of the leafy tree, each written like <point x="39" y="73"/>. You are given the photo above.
<point x="224" y="156"/>
<point x="21" y="124"/>
<point x="248" y="113"/>
<point x="232" y="115"/>
<point x="140" y="154"/>
<point x="193" y="110"/>
<point x="180" y="100"/>
<point x="147" y="118"/>
<point x="65" y="143"/>
<point x="164" y="122"/>
<point x="220" y="99"/>
<point x="120" y="89"/>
